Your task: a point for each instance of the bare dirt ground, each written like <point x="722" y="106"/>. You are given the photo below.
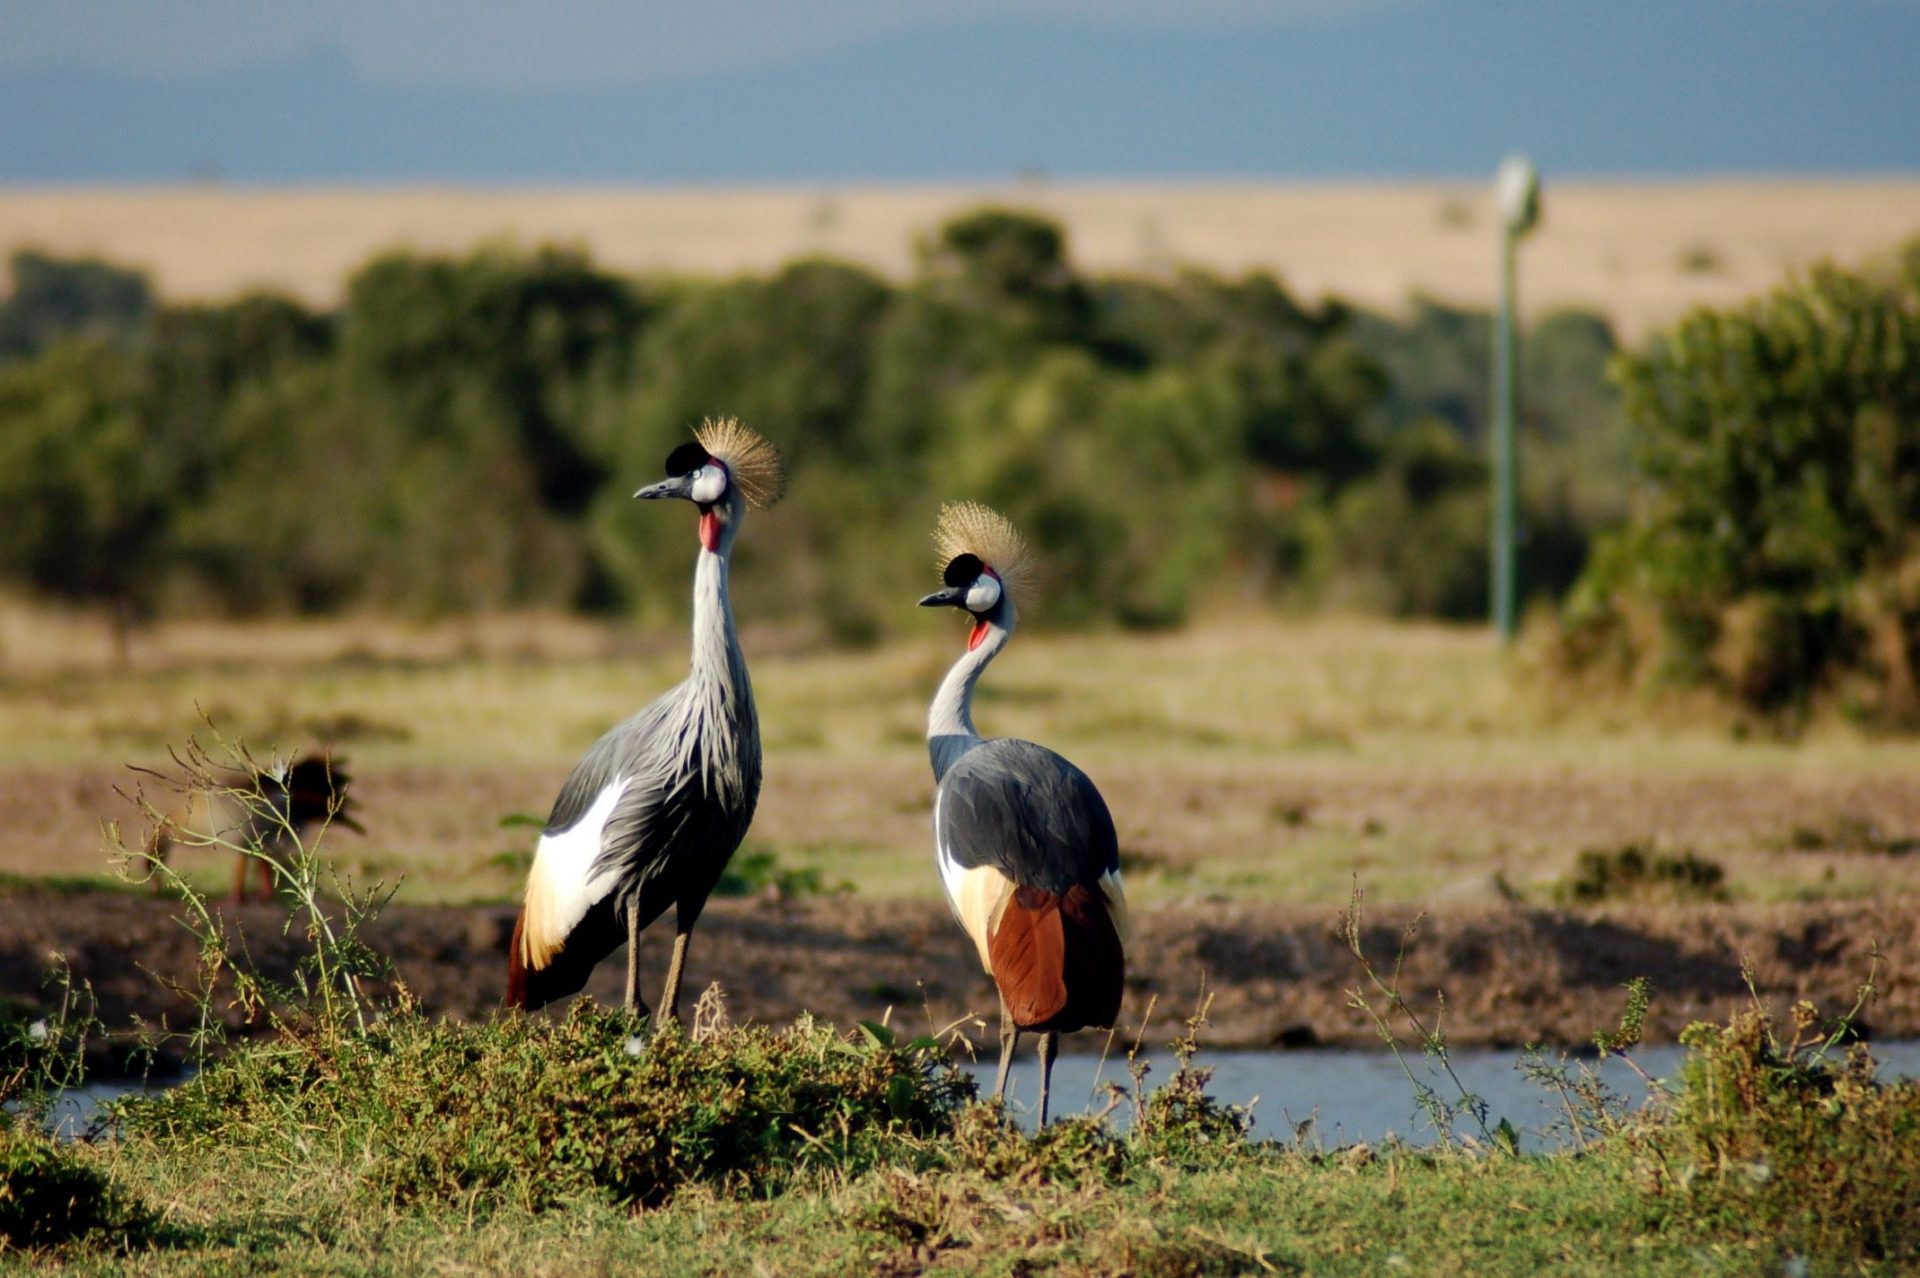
<point x="1257" y="770"/>
<point x="1278" y="975"/>
<point x="1282" y="830"/>
<point x="1642" y="252"/>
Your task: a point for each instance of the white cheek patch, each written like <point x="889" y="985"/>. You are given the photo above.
<point x="709" y="485"/>
<point x="984" y="593"/>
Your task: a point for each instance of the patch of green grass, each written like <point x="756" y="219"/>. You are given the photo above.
<point x="64" y="884"/>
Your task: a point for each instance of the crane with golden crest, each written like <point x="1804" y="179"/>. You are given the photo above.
<point x="1023" y="839"/>
<point x="653" y="812"/>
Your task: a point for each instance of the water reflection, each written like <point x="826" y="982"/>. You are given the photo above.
<point x="1364" y="1095"/>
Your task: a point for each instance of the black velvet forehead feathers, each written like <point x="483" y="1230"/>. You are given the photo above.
<point x="962" y="570"/>
<point x="685" y="459"/>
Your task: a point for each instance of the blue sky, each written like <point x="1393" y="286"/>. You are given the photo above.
<point x="930" y="90"/>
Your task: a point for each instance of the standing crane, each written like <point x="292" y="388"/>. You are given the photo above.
<point x="1025" y="844"/>
<point x="651" y="815"/>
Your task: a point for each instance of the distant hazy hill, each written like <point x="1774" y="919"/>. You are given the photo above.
<point x="1630" y="86"/>
<point x="1643" y="252"/>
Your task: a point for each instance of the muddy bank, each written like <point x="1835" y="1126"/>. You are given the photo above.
<point x="1279" y="975"/>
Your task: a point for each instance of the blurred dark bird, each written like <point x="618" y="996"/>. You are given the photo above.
<point x="653" y="812"/>
<point x="1025" y="844"/>
<point x="269" y="810"/>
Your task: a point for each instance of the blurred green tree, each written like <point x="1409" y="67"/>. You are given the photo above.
<point x="55" y="298"/>
<point x="1778" y="542"/>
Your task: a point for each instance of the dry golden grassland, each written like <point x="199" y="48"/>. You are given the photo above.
<point x="1251" y="758"/>
<point x="1643" y="252"/>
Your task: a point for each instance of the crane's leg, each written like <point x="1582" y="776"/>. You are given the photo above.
<point x="1049" y="1048"/>
<point x="240" y="880"/>
<point x="1009" y="1039"/>
<point x="636" y="1006"/>
<point x="266" y="879"/>
<point x="686" y="912"/>
<point x="670" y="997"/>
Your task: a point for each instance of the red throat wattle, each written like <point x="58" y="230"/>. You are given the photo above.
<point x="978" y="633"/>
<point x="710" y="531"/>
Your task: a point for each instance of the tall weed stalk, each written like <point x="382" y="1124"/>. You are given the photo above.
<point x="328" y="988"/>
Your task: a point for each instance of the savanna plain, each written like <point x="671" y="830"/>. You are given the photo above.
<point x="1335" y="830"/>
<point x="1261" y="770"/>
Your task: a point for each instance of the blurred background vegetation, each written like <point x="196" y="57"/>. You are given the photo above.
<point x="463" y="434"/>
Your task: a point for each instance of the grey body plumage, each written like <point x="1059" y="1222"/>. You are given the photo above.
<point x="653" y="812"/>
<point x="1029" y="813"/>
<point x="1026" y="848"/>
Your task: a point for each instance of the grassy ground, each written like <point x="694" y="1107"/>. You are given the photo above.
<point x="1247" y="759"/>
<point x="555" y="1150"/>
<point x="1281" y="1214"/>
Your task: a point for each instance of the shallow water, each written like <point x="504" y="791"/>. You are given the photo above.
<point x="1364" y="1095"/>
<point x="1327" y="1096"/>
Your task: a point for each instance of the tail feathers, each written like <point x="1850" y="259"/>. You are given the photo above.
<point x="517" y="965"/>
<point x="597" y="935"/>
<point x="1058" y="959"/>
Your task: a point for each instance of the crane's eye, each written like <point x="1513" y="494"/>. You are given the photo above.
<point x="709" y="484"/>
<point x="962" y="569"/>
<point x="685" y="459"/>
<point x="983" y="594"/>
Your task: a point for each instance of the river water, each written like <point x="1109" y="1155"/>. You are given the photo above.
<point x="1322" y="1096"/>
<point x="1339" y="1097"/>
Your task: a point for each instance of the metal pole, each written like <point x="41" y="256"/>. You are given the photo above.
<point x="1517" y="192"/>
<point x="1504" y="501"/>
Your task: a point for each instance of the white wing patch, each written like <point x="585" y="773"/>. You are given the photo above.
<point x="559" y="891"/>
<point x="976" y="896"/>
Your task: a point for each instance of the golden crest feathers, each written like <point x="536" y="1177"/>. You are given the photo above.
<point x="969" y="528"/>
<point x="753" y="462"/>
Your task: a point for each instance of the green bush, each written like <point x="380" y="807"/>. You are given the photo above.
<point x="1774" y="550"/>
<point x="50" y="1195"/>
<point x="53" y="299"/>
<point x="1637" y="873"/>
<point x="1776" y="1140"/>
<point x="528" y="1112"/>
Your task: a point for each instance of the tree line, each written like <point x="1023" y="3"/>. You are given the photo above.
<point x="463" y="433"/>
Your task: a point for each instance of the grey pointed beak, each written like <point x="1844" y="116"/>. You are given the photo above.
<point x="680" y="487"/>
<point x="951" y="597"/>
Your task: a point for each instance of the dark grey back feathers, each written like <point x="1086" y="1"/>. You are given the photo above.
<point x="1029" y="813"/>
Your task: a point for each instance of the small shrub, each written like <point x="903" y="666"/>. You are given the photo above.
<point x="1780" y="1140"/>
<point x="1634" y="873"/>
<point x="1068" y="1149"/>
<point x="1701" y="259"/>
<point x="49" y="1196"/>
<point x="530" y="1112"/>
<point x="1179" y="1122"/>
<point x="759" y="872"/>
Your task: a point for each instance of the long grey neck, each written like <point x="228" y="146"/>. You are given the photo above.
<point x="719" y="726"/>
<point x="716" y="645"/>
<point x="950" y="730"/>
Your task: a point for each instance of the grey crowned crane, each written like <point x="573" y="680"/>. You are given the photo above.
<point x="653" y="812"/>
<point x="1025" y="844"/>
